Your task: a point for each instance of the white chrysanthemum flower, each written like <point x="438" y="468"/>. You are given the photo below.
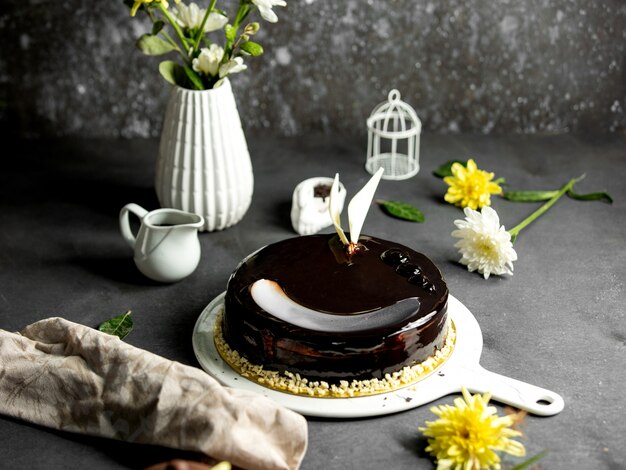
<point x="191" y="17"/>
<point x="208" y="61"/>
<point x="484" y="244"/>
<point x="235" y="65"/>
<point x="265" y="8"/>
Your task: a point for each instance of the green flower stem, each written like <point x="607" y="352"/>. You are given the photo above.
<point x="173" y="43"/>
<point x="242" y="13"/>
<point x="236" y="45"/>
<point x="151" y="15"/>
<point x="174" y="24"/>
<point x="200" y="32"/>
<point x="518" y="228"/>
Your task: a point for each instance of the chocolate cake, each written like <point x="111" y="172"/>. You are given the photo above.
<point x="307" y="308"/>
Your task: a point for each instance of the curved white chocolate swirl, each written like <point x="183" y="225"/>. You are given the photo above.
<point x="270" y="297"/>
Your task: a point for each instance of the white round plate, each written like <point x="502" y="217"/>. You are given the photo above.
<point x="461" y="369"/>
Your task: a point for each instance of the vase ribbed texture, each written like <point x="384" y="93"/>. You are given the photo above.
<point x="203" y="164"/>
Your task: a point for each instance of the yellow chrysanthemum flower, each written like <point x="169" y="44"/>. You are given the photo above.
<point x="467" y="436"/>
<point x="470" y="187"/>
<point x="138" y="3"/>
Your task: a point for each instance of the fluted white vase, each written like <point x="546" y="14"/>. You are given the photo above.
<point x="203" y="164"/>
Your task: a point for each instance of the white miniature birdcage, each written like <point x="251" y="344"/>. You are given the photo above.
<point x="393" y="139"/>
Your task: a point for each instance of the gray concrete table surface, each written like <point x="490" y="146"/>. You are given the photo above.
<point x="557" y="323"/>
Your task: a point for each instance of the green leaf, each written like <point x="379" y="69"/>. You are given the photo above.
<point x="599" y="196"/>
<point x="530" y="461"/>
<point x="529" y="196"/>
<point x="252" y="48"/>
<point x="157" y="27"/>
<point x="172" y="72"/>
<point x="120" y="326"/>
<point x="194" y="77"/>
<point x="402" y="210"/>
<point x="446" y="169"/>
<point x="154" y="45"/>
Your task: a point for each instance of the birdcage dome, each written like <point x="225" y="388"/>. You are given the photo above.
<point x="393" y="139"/>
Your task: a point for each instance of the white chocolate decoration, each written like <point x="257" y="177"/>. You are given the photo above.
<point x="310" y="214"/>
<point x="360" y="205"/>
<point x="357" y="209"/>
<point x="335" y="209"/>
<point x="270" y="297"/>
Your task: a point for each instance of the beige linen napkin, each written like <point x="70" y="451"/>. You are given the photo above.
<point x="71" y="377"/>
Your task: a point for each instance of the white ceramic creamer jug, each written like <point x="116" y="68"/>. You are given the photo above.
<point x="166" y="248"/>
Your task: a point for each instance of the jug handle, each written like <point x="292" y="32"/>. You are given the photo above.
<point x="125" y="224"/>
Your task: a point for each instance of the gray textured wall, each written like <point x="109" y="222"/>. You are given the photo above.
<point x="487" y="66"/>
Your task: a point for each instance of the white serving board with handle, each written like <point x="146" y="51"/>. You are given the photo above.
<point x="461" y="369"/>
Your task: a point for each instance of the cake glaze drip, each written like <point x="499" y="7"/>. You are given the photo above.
<point x="316" y="273"/>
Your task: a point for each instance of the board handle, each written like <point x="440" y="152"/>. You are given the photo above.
<point x="522" y="395"/>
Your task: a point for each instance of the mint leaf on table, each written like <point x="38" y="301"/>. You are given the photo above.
<point x="538" y="196"/>
<point x="402" y="210"/>
<point x="528" y="196"/>
<point x="120" y="325"/>
<point x="446" y="169"/>
<point x="599" y="196"/>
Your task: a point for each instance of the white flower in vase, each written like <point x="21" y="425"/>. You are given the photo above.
<point x="189" y="31"/>
<point x="235" y="65"/>
<point x="191" y="16"/>
<point x="265" y="8"/>
<point x="208" y="61"/>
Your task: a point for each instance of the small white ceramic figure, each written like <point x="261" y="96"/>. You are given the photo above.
<point x="166" y="248"/>
<point x="309" y="207"/>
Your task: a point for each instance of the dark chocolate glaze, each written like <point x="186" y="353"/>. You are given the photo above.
<point x="316" y="272"/>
